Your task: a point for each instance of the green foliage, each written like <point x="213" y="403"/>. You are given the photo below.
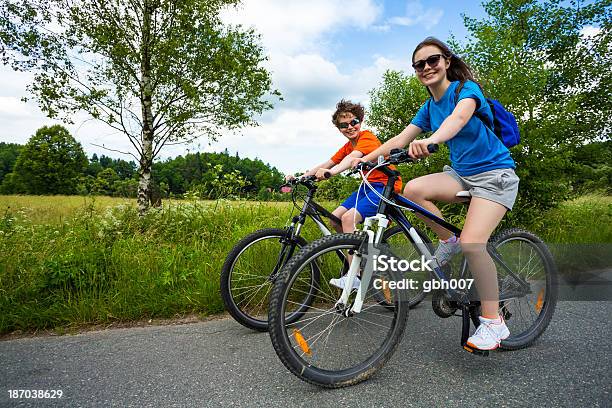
<point x="395" y="103"/>
<point x="218" y="184"/>
<point x="593" y="167"/>
<point x="103" y="265"/>
<point x="8" y="156"/>
<point x="50" y="163"/>
<point x="532" y="57"/>
<point x="200" y="172"/>
<point x="205" y="175"/>
<point x="105" y="182"/>
<point x="122" y="168"/>
<point x="337" y="188"/>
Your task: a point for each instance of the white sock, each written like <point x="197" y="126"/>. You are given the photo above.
<point x="496" y="321"/>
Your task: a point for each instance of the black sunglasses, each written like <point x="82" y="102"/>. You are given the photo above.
<point x="345" y="125"/>
<point x="432" y="61"/>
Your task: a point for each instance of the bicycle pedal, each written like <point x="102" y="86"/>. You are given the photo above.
<point x="475" y="351"/>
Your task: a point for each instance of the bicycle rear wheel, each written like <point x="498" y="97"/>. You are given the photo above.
<point x="527" y="311"/>
<point x="326" y="347"/>
<point x="248" y="273"/>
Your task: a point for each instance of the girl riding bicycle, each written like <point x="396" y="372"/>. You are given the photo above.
<point x="480" y="163"/>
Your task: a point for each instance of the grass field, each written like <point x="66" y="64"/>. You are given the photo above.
<point x="73" y="261"/>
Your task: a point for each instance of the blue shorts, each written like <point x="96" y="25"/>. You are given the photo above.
<point x="365" y="207"/>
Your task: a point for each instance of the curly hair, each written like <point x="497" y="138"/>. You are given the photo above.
<point x="347" y="106"/>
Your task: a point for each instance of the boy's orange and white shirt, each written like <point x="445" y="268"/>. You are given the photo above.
<point x="366" y="143"/>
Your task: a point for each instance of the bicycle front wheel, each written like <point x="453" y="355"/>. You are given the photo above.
<point x="327" y="346"/>
<point x="248" y="273"/>
<point x="528" y="295"/>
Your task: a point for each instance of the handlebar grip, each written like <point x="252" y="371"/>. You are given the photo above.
<point x="327" y="174"/>
<point x="432" y="148"/>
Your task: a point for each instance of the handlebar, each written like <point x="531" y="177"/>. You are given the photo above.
<point x="306" y="181"/>
<point x="396" y="156"/>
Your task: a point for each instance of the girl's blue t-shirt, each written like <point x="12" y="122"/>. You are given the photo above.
<point x="475" y="149"/>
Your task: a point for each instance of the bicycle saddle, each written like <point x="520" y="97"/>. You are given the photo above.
<point x="465" y="195"/>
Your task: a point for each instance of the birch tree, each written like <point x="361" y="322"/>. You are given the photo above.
<point x="161" y="72"/>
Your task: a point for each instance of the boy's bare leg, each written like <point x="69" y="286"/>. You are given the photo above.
<point x="338" y="212"/>
<point x="349" y="219"/>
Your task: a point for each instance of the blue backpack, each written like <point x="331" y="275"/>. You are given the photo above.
<point x="504" y="123"/>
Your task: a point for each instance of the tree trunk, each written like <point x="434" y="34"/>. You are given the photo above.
<point x="145" y="187"/>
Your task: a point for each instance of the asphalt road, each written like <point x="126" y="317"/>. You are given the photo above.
<point x="220" y="363"/>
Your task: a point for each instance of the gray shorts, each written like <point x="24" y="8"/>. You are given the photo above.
<point x="499" y="185"/>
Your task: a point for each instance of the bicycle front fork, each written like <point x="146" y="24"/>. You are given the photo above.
<point x="362" y="261"/>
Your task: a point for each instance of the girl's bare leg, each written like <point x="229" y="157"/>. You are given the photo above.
<point x="433" y="187"/>
<point x="482" y="218"/>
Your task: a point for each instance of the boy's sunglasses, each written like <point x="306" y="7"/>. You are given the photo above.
<point x="432" y="61"/>
<point x="345" y="125"/>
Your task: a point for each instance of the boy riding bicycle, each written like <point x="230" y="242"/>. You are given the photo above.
<point x="363" y="202"/>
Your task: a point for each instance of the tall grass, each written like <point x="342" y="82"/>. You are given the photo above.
<point x="71" y="261"/>
<point x="101" y="264"/>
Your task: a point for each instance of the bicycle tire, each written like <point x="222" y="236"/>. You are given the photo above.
<point x="255" y="318"/>
<point x="295" y="349"/>
<point x="543" y="281"/>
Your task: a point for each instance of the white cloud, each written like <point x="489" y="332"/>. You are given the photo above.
<point x="298" y="26"/>
<point x="310" y="80"/>
<point x="588" y="32"/>
<point x="292" y="140"/>
<point x="12" y="108"/>
<point x="416" y="14"/>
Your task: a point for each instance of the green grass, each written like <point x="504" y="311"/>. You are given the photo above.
<point x="586" y="220"/>
<point x="579" y="234"/>
<point x="73" y="261"/>
<point x="99" y="262"/>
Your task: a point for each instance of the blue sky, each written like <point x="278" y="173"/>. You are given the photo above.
<point x="320" y="51"/>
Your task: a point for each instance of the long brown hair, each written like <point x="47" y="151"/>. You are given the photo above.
<point x="458" y="69"/>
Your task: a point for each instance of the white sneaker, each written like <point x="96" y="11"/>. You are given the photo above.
<point x="446" y="251"/>
<point x="341" y="282"/>
<point x="489" y="334"/>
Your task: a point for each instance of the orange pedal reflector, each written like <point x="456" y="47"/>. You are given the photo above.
<point x="540" y="301"/>
<point x="301" y="341"/>
<point x="466" y="348"/>
<point x="386" y="292"/>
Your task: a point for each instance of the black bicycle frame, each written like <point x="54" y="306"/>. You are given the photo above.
<point x="309" y="209"/>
